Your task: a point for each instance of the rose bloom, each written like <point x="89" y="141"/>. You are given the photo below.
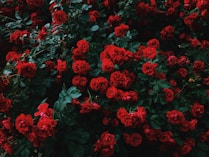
<point x="172" y="60"/>
<point x="166" y="137"/>
<point x="83" y="45"/>
<point x="59" y="17"/>
<point x="34" y="3"/>
<point x="153" y="43"/>
<point x="12" y="56"/>
<point x="107" y="65"/>
<point x="182" y="72"/>
<point x="121" y="112"/>
<point x="134" y="139"/>
<point x="5" y="104"/>
<point x="151" y="134"/>
<point x="149" y="52"/>
<point x="7" y="123"/>
<point x="99" y="84"/>
<point x="24" y="123"/>
<point x="149" y="68"/>
<point x="167" y="33"/>
<point x="121" y="30"/>
<point x="46" y="127"/>
<point x="188" y="125"/>
<point x="169" y="94"/>
<point x="26" y="69"/>
<point x="175" y="117"/>
<point x="105" y="145"/>
<point x="114" y="19"/>
<point x="61" y="66"/>
<point x="198" y="66"/>
<point x="112" y="93"/>
<point x="194" y="42"/>
<point x="206" y="81"/>
<point x="189" y="20"/>
<point x="50" y="65"/>
<point x="187" y="146"/>
<point x="197" y="110"/>
<point x="80" y="67"/>
<point x="79" y="81"/>
<point x="44" y="111"/>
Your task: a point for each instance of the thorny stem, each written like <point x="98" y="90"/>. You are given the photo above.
<point x="180" y="90"/>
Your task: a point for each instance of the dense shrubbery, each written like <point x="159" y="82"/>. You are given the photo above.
<point x="104" y="78"/>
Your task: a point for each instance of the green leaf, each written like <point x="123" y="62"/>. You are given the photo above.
<point x="94" y="28"/>
<point x="76" y="1"/>
<point x="203" y="146"/>
<point x="201" y="154"/>
<point x="155" y="124"/>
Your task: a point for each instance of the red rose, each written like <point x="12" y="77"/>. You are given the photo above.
<point x="149" y="52"/>
<point x="169" y="94"/>
<point x="61" y="66"/>
<point x="83" y="45"/>
<point x="3" y="136"/>
<point x="121" y="30"/>
<point x="172" y="60"/>
<point x="42" y="33"/>
<point x="24" y="123"/>
<point x="80" y="67"/>
<point x="197" y="110"/>
<point x="107" y="65"/>
<point x="190" y="19"/>
<point x="198" y="66"/>
<point x="114" y="19"/>
<point x="121" y="112"/>
<point x="50" y="65"/>
<point x="46" y="127"/>
<point x="187" y="146"/>
<point x="182" y="60"/>
<point x="12" y="56"/>
<point x="130" y="96"/>
<point x="149" y="68"/>
<point x="141" y="113"/>
<point x="166" y="137"/>
<point x="35" y="3"/>
<point x="194" y="42"/>
<point x="59" y="17"/>
<point x="135" y="139"/>
<point x="153" y="43"/>
<point x="7" y="123"/>
<point x="151" y="134"/>
<point x="79" y="81"/>
<point x="173" y="83"/>
<point x="99" y="84"/>
<point x="167" y="33"/>
<point x="44" y="111"/>
<point x="175" y="117"/>
<point x="5" y="104"/>
<point x="8" y="148"/>
<point x="182" y="72"/>
<point x="26" y="69"/>
<point x="112" y="93"/>
<point x="105" y="145"/>
<point x="206" y="81"/>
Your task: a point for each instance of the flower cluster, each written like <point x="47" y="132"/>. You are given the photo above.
<point x="104" y="78"/>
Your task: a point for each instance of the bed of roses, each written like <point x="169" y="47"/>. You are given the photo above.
<point x="104" y="78"/>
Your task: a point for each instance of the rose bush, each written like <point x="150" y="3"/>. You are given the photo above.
<point x="104" y="78"/>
